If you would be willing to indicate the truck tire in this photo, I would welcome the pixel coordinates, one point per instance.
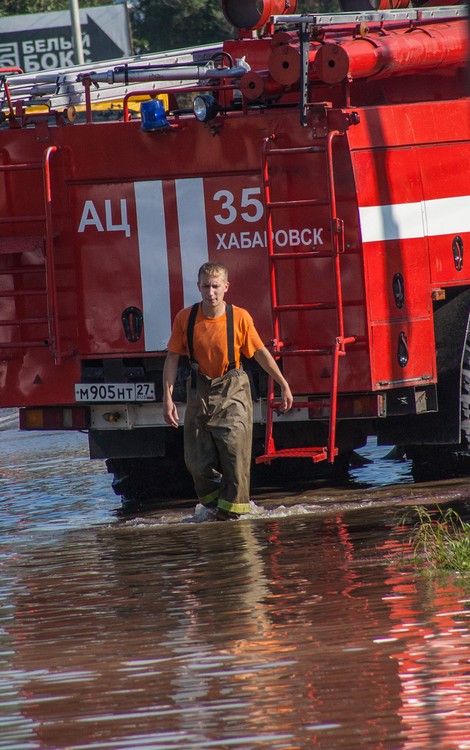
(149, 480)
(431, 463)
(144, 483)
(435, 462)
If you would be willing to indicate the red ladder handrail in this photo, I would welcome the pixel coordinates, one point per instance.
(50, 265)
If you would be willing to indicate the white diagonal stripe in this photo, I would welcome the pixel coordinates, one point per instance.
(411, 220)
(193, 233)
(153, 263)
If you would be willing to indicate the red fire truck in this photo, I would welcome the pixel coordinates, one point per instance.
(323, 158)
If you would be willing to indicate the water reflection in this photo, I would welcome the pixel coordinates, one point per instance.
(386, 466)
(278, 635)
(275, 632)
(434, 665)
(47, 480)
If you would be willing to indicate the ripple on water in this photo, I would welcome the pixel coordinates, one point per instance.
(296, 627)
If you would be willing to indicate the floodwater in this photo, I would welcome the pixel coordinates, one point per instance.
(303, 626)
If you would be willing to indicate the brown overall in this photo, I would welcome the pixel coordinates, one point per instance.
(218, 428)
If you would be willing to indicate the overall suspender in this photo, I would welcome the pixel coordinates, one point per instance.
(230, 338)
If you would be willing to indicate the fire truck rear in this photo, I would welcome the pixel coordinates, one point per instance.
(324, 159)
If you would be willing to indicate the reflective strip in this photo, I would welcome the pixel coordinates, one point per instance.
(401, 221)
(153, 263)
(234, 507)
(210, 499)
(193, 234)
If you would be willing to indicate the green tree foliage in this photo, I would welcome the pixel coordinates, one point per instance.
(317, 6)
(171, 24)
(15, 7)
(165, 24)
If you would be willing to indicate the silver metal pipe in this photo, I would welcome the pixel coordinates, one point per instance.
(76, 32)
(184, 73)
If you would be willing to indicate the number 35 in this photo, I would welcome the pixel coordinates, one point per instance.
(228, 211)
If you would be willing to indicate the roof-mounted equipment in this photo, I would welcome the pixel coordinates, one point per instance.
(253, 14)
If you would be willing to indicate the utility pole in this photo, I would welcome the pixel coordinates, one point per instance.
(76, 32)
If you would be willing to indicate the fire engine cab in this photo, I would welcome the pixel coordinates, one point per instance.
(323, 158)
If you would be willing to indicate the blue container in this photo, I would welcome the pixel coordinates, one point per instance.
(153, 117)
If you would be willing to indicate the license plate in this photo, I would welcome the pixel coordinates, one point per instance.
(121, 392)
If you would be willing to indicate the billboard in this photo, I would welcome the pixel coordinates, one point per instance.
(43, 41)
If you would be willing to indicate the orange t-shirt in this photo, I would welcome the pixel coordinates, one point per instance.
(210, 339)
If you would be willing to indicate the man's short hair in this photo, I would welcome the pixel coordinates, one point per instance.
(211, 269)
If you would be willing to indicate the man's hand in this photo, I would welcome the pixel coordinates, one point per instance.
(265, 359)
(286, 398)
(170, 412)
(170, 368)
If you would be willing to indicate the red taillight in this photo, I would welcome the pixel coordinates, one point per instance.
(350, 407)
(54, 418)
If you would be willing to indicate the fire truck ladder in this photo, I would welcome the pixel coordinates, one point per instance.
(11, 246)
(338, 349)
(65, 87)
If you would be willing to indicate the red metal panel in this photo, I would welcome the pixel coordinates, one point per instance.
(433, 178)
(446, 190)
(385, 178)
(385, 343)
(107, 262)
(385, 175)
(396, 263)
(34, 380)
(405, 158)
(383, 262)
(426, 123)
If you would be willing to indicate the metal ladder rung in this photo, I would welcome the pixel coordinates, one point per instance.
(277, 405)
(24, 322)
(20, 219)
(23, 293)
(305, 307)
(301, 255)
(349, 303)
(296, 150)
(18, 271)
(297, 203)
(23, 345)
(315, 453)
(303, 352)
(19, 167)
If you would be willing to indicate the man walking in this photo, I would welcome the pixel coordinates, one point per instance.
(219, 412)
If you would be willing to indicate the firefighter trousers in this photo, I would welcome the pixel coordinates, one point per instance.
(218, 429)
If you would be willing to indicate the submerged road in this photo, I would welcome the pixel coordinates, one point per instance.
(305, 625)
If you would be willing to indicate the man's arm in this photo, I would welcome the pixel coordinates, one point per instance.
(170, 368)
(268, 363)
